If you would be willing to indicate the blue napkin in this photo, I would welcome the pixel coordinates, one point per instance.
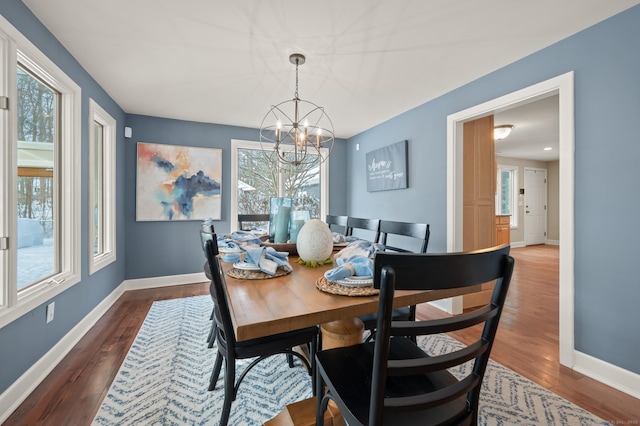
(359, 248)
(230, 257)
(229, 245)
(268, 259)
(246, 240)
(339, 238)
(355, 265)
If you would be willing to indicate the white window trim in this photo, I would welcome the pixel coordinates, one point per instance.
(237, 144)
(515, 170)
(19, 48)
(108, 123)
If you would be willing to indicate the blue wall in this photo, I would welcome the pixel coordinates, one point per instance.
(27, 339)
(607, 150)
(171, 248)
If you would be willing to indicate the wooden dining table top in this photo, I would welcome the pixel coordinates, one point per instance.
(268, 306)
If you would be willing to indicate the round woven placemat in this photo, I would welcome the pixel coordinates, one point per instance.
(334, 288)
(242, 274)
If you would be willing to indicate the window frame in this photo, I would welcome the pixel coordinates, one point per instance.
(98, 115)
(515, 171)
(237, 144)
(17, 49)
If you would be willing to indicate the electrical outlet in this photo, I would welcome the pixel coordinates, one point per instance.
(51, 307)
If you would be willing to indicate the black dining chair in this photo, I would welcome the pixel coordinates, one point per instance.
(364, 224)
(339, 221)
(417, 235)
(207, 233)
(244, 219)
(230, 350)
(392, 380)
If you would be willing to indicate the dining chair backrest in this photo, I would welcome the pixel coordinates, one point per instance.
(207, 233)
(339, 221)
(365, 224)
(251, 218)
(222, 317)
(419, 231)
(407, 271)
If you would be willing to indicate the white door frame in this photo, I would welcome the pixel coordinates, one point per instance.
(564, 87)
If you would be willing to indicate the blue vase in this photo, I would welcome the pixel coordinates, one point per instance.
(279, 218)
(298, 219)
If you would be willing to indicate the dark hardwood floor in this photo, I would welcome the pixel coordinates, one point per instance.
(527, 342)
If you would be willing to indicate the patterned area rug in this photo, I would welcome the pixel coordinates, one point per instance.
(164, 378)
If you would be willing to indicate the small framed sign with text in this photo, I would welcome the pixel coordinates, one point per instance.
(387, 167)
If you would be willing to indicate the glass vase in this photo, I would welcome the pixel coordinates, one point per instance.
(298, 219)
(279, 218)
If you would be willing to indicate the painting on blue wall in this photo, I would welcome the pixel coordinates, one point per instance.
(387, 167)
(177, 182)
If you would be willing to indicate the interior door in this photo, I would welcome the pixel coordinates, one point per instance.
(479, 196)
(535, 206)
(479, 185)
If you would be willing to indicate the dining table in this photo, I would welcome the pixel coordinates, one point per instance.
(262, 307)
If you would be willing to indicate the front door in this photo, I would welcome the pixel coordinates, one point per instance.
(535, 206)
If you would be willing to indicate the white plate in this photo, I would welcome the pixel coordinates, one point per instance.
(340, 244)
(356, 281)
(246, 266)
(229, 249)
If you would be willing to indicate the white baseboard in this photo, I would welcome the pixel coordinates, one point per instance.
(609, 374)
(11, 398)
(155, 282)
(516, 244)
(22, 388)
(553, 242)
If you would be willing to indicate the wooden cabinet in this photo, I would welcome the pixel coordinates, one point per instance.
(503, 230)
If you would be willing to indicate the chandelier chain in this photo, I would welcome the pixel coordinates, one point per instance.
(296, 93)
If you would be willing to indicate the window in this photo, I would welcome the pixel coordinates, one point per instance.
(102, 188)
(40, 169)
(507, 193)
(254, 180)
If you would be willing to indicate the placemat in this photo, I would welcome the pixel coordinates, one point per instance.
(334, 288)
(242, 274)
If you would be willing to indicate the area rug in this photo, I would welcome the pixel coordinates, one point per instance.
(164, 378)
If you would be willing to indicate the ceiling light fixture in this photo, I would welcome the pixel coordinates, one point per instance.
(297, 129)
(502, 131)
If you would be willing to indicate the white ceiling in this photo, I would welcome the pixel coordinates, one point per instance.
(536, 127)
(227, 62)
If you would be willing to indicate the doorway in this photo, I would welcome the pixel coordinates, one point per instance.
(563, 86)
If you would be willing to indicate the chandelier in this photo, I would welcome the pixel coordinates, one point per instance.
(297, 130)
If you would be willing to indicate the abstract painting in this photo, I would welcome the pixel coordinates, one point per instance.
(177, 182)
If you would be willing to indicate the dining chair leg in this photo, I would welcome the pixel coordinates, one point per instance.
(312, 354)
(216, 372)
(229, 389)
(290, 360)
(319, 391)
(212, 334)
